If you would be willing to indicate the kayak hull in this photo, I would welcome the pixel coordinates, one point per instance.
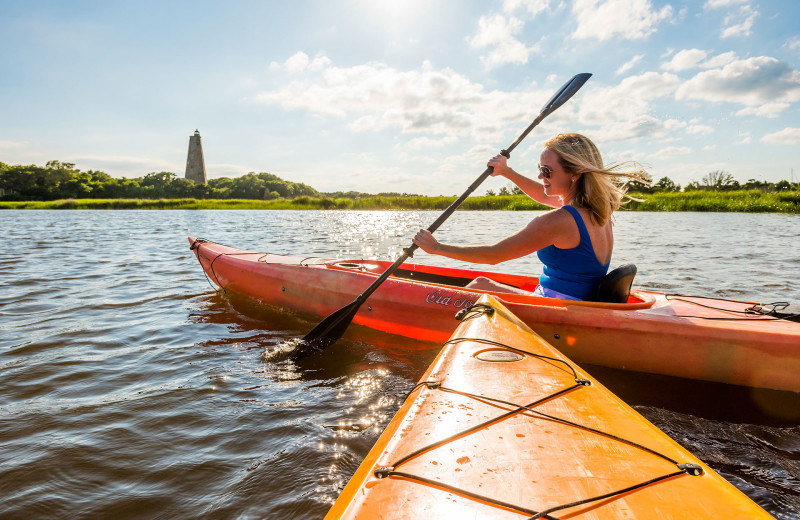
(462, 446)
(653, 333)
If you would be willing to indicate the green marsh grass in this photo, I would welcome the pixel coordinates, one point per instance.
(740, 201)
(750, 201)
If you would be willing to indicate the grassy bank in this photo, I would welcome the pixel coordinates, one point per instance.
(745, 201)
(750, 201)
(510, 202)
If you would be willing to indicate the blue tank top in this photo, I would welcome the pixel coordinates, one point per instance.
(576, 271)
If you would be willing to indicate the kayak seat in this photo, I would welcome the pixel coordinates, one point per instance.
(616, 286)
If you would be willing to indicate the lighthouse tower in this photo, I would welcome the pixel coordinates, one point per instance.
(195, 166)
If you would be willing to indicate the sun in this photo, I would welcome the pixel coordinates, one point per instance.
(394, 14)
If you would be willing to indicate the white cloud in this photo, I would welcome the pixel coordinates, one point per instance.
(297, 63)
(788, 135)
(419, 143)
(300, 62)
(697, 58)
(628, 65)
(685, 59)
(529, 7)
(714, 4)
(672, 151)
(771, 110)
(751, 82)
(319, 62)
(793, 43)
(628, 101)
(699, 129)
(497, 32)
(743, 28)
(635, 128)
(720, 60)
(427, 102)
(627, 19)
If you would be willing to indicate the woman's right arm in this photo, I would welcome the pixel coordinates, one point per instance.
(542, 231)
(530, 187)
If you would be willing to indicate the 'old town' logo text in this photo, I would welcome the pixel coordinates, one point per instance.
(455, 299)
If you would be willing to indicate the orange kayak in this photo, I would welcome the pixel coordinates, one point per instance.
(683, 336)
(503, 426)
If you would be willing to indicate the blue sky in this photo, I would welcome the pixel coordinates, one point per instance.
(409, 96)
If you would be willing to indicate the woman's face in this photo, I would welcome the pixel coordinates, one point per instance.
(560, 184)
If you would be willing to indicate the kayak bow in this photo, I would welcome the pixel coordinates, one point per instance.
(503, 426)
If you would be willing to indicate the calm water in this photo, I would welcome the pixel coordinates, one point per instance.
(129, 388)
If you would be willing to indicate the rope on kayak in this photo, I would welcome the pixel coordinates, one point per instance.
(769, 311)
(195, 246)
(391, 470)
(585, 382)
(386, 471)
(546, 512)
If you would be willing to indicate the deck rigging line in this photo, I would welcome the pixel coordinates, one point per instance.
(768, 311)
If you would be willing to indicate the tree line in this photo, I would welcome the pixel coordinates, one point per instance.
(718, 180)
(58, 180)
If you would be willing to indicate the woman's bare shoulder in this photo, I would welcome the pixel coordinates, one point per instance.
(558, 227)
(554, 222)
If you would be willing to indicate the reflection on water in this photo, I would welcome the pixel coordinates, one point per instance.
(131, 389)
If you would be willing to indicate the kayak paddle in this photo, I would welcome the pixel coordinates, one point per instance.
(333, 327)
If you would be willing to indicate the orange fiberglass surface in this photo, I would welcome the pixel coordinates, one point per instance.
(683, 336)
(503, 426)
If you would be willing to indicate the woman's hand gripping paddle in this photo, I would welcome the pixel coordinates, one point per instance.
(333, 327)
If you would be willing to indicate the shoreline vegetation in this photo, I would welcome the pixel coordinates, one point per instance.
(743, 201)
(60, 185)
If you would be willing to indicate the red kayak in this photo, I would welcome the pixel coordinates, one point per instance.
(735, 342)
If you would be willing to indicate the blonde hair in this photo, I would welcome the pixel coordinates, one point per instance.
(599, 189)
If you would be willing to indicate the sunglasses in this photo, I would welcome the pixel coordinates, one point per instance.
(545, 171)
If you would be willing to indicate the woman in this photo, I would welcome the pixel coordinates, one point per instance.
(575, 241)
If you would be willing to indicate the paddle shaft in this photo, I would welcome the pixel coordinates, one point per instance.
(409, 251)
(332, 327)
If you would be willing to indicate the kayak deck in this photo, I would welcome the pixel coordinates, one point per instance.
(502, 425)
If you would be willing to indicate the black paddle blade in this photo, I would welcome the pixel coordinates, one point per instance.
(566, 92)
(328, 331)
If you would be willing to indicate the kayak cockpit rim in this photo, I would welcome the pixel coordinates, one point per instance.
(449, 278)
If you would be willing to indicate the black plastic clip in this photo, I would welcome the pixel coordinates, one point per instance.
(691, 469)
(383, 471)
(583, 382)
(433, 385)
(477, 309)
